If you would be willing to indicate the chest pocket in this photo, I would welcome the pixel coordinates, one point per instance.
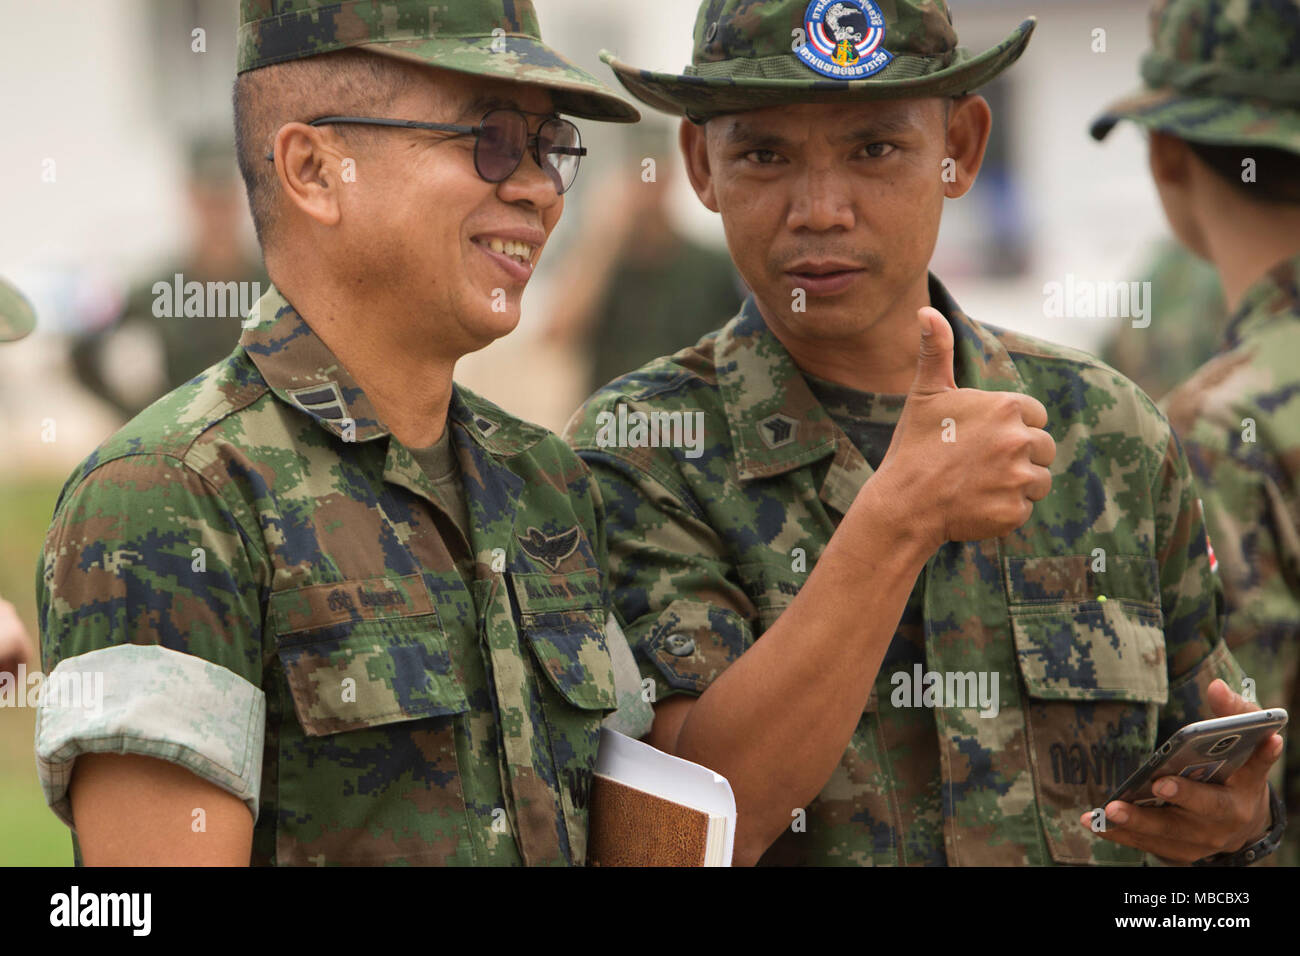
(364, 775)
(562, 620)
(562, 616)
(1090, 649)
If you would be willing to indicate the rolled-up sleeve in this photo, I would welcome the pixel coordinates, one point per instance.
(154, 702)
(151, 628)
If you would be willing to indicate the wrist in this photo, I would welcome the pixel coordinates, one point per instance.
(885, 515)
(1259, 848)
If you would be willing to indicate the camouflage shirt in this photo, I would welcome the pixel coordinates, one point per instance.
(252, 572)
(1097, 622)
(1239, 418)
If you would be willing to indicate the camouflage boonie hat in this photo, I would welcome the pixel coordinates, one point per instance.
(751, 54)
(17, 317)
(1220, 72)
(496, 38)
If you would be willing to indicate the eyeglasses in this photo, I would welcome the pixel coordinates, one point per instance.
(502, 139)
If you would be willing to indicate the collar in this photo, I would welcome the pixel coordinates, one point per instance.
(303, 373)
(776, 423)
(1272, 296)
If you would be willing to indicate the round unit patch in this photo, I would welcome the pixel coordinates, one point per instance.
(843, 39)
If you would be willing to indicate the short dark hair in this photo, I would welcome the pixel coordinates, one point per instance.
(1276, 173)
(345, 81)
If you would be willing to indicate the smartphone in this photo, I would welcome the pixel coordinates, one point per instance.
(1207, 751)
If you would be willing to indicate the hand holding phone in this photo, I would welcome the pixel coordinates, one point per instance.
(1203, 796)
(1207, 751)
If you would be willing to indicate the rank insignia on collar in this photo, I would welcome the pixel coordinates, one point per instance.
(843, 39)
(777, 430)
(322, 401)
(549, 549)
(485, 426)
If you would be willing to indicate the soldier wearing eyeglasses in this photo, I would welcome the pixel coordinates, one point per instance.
(345, 611)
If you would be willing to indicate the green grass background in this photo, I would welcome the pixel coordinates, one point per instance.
(30, 835)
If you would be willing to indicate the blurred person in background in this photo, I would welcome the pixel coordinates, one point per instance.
(17, 319)
(1188, 319)
(625, 278)
(112, 362)
(1221, 107)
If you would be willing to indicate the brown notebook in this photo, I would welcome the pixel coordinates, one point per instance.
(649, 808)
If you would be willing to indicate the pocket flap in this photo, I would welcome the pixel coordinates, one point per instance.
(1088, 626)
(369, 664)
(1091, 651)
(571, 648)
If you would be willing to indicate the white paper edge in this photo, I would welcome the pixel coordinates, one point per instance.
(642, 766)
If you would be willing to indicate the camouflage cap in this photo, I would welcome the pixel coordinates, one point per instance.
(1220, 72)
(750, 54)
(496, 38)
(17, 317)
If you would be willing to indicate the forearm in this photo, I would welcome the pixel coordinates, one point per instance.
(777, 721)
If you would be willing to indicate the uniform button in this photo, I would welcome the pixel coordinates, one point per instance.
(713, 32)
(679, 645)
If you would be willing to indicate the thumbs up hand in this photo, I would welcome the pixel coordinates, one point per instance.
(964, 464)
(934, 367)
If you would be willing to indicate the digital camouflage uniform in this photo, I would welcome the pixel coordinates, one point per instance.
(1239, 418)
(1098, 619)
(256, 567)
(1096, 666)
(496, 38)
(266, 588)
(1228, 73)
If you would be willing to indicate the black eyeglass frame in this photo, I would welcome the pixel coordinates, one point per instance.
(532, 144)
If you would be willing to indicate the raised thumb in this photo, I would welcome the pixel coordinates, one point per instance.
(934, 365)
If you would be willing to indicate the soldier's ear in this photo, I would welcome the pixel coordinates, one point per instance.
(694, 140)
(307, 167)
(1190, 211)
(969, 123)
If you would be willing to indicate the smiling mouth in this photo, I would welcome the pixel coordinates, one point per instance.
(520, 252)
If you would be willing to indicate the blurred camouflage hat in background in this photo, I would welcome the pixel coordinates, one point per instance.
(17, 317)
(496, 38)
(751, 54)
(1220, 72)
